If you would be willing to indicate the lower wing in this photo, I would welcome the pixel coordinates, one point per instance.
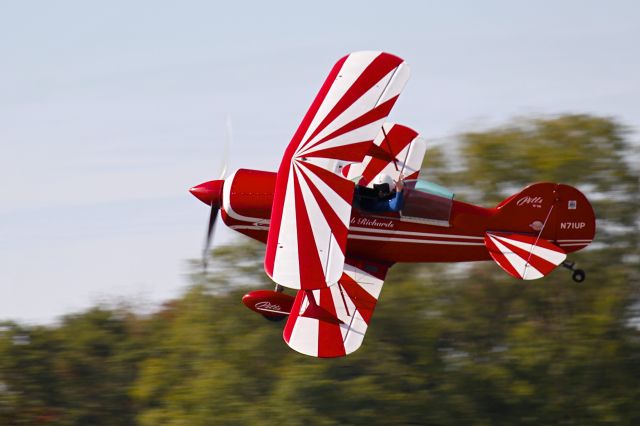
(332, 322)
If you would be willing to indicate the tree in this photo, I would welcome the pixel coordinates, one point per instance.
(76, 373)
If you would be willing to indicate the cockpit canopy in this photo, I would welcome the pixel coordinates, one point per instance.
(426, 200)
(419, 201)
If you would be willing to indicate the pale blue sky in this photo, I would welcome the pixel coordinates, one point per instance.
(110, 111)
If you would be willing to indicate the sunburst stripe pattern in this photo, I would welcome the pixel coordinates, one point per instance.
(312, 204)
(525, 257)
(333, 321)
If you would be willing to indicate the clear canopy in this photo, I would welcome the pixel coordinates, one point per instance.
(427, 201)
(419, 200)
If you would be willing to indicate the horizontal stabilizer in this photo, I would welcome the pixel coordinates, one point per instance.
(526, 257)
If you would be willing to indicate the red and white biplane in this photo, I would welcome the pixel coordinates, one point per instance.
(347, 203)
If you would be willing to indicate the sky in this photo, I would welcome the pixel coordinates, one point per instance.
(110, 111)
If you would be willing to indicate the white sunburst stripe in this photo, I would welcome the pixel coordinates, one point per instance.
(323, 163)
(520, 265)
(413, 157)
(400, 77)
(304, 336)
(351, 70)
(373, 288)
(303, 305)
(359, 134)
(555, 257)
(368, 282)
(417, 150)
(286, 268)
(335, 261)
(355, 334)
(365, 103)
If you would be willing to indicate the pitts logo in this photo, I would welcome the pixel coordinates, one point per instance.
(572, 225)
(268, 306)
(535, 202)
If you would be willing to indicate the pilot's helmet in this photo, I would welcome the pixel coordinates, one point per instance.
(383, 178)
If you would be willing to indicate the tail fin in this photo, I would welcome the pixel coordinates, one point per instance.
(531, 231)
(555, 212)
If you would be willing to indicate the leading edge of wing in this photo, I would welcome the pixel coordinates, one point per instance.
(311, 209)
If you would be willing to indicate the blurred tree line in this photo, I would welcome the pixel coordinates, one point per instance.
(447, 346)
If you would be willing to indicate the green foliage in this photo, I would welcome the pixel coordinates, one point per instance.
(573, 149)
(445, 347)
(76, 373)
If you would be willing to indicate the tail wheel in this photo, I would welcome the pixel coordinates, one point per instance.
(578, 275)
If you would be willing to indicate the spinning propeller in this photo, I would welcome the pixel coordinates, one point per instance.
(210, 193)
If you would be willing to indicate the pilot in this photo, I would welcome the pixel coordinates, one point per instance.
(388, 193)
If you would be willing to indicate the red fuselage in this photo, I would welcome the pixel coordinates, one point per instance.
(247, 196)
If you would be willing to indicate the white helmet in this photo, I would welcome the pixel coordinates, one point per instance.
(384, 178)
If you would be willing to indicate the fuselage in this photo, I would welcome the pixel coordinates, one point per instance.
(387, 237)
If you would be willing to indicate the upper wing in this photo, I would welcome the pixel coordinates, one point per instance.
(332, 322)
(397, 151)
(312, 203)
(525, 257)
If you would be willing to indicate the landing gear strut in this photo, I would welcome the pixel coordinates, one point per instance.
(578, 274)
